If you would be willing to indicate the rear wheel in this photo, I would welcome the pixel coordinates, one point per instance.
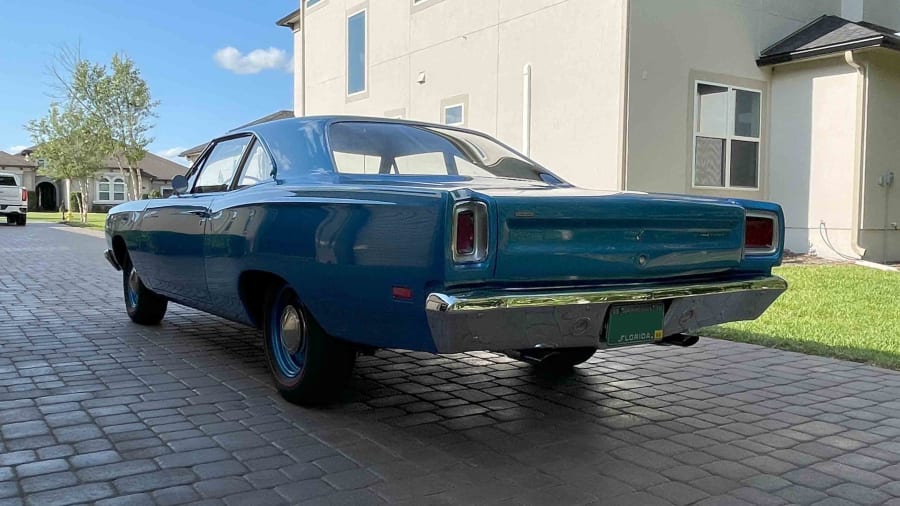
(10, 219)
(556, 360)
(308, 365)
(21, 220)
(143, 306)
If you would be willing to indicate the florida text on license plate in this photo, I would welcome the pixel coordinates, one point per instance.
(635, 324)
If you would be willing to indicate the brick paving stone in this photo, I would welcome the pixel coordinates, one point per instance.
(48, 482)
(717, 423)
(678, 493)
(153, 480)
(71, 495)
(95, 458)
(41, 467)
(858, 493)
(142, 499)
(180, 494)
(24, 429)
(221, 487)
(192, 457)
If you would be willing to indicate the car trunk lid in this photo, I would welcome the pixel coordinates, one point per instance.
(566, 234)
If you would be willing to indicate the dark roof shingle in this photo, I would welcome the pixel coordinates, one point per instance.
(825, 35)
(8, 160)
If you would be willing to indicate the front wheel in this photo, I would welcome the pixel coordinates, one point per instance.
(558, 359)
(143, 306)
(308, 365)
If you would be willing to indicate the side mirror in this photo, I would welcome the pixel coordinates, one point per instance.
(179, 184)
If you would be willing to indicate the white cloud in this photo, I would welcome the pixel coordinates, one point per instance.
(15, 149)
(172, 155)
(255, 61)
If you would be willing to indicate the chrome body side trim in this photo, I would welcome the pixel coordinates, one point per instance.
(510, 319)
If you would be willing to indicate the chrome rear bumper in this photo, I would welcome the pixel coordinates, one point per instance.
(520, 319)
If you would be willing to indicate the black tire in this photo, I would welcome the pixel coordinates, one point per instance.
(308, 366)
(21, 220)
(11, 219)
(556, 360)
(143, 306)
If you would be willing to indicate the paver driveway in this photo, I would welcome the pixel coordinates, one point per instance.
(95, 408)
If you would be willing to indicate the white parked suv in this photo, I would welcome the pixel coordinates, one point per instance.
(13, 199)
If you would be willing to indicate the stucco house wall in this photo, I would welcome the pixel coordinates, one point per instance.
(813, 153)
(671, 45)
(473, 52)
(881, 195)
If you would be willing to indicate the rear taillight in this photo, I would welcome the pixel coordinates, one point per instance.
(760, 233)
(469, 235)
(465, 233)
(24, 195)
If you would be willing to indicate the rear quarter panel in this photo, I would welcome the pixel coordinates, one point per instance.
(342, 248)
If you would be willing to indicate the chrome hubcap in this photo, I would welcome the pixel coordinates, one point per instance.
(134, 286)
(293, 330)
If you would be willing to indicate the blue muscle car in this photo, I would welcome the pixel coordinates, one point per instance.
(339, 235)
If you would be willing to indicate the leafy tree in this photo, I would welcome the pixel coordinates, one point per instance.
(119, 99)
(71, 144)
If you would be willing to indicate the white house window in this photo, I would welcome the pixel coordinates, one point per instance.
(111, 189)
(356, 53)
(726, 136)
(454, 115)
(310, 3)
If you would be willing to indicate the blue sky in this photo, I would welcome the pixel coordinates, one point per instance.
(198, 58)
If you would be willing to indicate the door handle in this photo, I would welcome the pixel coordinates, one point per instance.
(203, 213)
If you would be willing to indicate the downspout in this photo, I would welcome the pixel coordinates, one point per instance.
(623, 106)
(526, 109)
(302, 78)
(862, 94)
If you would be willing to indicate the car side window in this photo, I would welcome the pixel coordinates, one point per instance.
(257, 168)
(221, 165)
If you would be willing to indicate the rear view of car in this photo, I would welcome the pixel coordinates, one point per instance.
(13, 199)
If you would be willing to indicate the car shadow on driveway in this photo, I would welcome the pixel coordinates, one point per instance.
(719, 420)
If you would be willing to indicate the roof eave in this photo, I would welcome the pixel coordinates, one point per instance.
(290, 20)
(877, 41)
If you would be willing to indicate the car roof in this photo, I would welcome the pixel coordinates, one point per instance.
(321, 122)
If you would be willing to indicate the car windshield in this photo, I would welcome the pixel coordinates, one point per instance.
(406, 149)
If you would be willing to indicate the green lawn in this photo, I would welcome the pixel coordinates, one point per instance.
(95, 221)
(842, 311)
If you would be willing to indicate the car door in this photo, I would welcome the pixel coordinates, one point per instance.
(174, 227)
(235, 218)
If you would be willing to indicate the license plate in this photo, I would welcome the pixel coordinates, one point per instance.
(634, 324)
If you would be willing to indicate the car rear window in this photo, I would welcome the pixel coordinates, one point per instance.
(7, 181)
(395, 149)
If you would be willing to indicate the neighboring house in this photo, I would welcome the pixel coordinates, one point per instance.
(108, 188)
(796, 102)
(192, 153)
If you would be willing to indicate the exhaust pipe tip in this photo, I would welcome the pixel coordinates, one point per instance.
(683, 340)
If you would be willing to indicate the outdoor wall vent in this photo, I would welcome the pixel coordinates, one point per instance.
(421, 78)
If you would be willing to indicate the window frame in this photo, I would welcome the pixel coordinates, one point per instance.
(239, 175)
(729, 135)
(462, 114)
(198, 167)
(111, 193)
(364, 10)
